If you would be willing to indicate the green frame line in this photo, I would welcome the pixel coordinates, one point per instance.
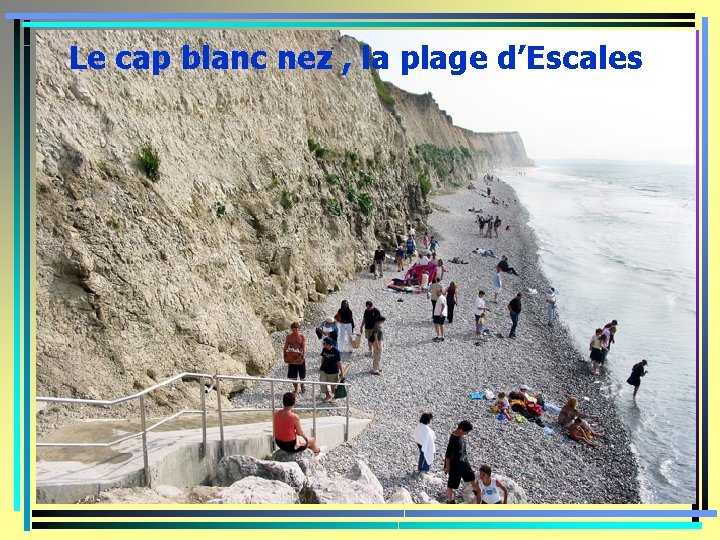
(354, 24)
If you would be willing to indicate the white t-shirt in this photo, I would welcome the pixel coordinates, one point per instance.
(479, 306)
(441, 306)
(423, 260)
(411, 232)
(497, 282)
(490, 494)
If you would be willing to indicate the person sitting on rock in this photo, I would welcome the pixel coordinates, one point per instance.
(287, 429)
(577, 433)
(490, 487)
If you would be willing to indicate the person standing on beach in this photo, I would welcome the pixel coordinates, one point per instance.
(480, 310)
(370, 317)
(433, 244)
(439, 315)
(410, 249)
(515, 307)
(497, 284)
(452, 298)
(489, 232)
(426, 240)
(436, 290)
(379, 259)
(294, 356)
(638, 371)
(400, 258)
(550, 300)
(425, 440)
(377, 339)
(411, 231)
(496, 225)
(457, 466)
(440, 270)
(346, 325)
(596, 350)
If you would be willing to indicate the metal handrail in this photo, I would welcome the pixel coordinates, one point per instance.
(200, 377)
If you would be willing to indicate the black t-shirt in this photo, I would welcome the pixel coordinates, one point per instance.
(456, 452)
(503, 265)
(498, 221)
(379, 255)
(515, 305)
(370, 317)
(330, 360)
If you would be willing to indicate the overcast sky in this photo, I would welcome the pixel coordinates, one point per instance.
(641, 114)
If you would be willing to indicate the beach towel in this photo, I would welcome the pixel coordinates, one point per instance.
(477, 395)
(425, 437)
(414, 275)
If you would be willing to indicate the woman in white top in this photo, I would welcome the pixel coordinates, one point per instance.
(425, 439)
(490, 487)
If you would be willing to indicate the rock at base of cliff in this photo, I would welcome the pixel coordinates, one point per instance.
(255, 490)
(360, 486)
(234, 468)
(306, 460)
(401, 496)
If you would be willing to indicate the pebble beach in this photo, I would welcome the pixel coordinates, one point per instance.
(421, 375)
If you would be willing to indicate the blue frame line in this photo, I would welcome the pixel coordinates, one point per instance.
(16, 266)
(705, 30)
(26, 278)
(62, 16)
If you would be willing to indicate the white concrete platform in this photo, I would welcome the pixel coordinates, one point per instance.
(175, 458)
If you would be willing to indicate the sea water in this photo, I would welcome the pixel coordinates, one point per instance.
(617, 241)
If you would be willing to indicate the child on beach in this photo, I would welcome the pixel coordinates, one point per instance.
(577, 433)
(433, 244)
(503, 406)
(426, 240)
(480, 325)
(400, 258)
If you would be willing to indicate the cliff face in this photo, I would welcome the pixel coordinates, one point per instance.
(273, 187)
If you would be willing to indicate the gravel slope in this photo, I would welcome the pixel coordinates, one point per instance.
(421, 375)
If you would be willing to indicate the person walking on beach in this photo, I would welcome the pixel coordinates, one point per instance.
(425, 440)
(400, 258)
(370, 317)
(294, 356)
(481, 224)
(504, 266)
(598, 344)
(550, 300)
(515, 307)
(346, 325)
(457, 466)
(609, 331)
(426, 240)
(411, 231)
(287, 428)
(497, 284)
(377, 339)
(331, 369)
(490, 487)
(379, 259)
(452, 298)
(433, 244)
(439, 315)
(440, 270)
(638, 371)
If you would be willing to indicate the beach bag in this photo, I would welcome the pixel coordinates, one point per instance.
(356, 341)
(534, 409)
(340, 391)
(318, 332)
(372, 268)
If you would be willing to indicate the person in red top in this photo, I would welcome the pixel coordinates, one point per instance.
(294, 356)
(287, 430)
